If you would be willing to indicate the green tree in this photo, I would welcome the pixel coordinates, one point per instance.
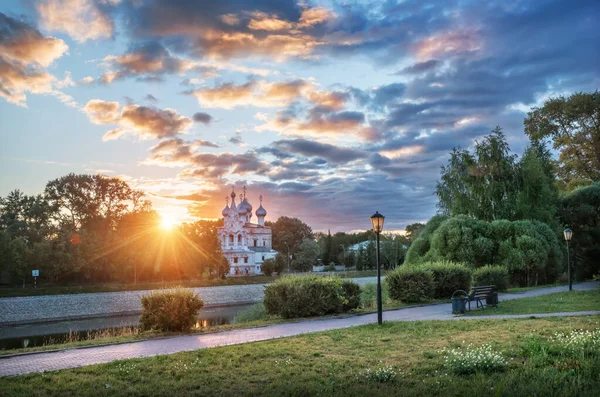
(413, 230)
(268, 266)
(580, 210)
(538, 196)
(482, 184)
(307, 255)
(573, 125)
(290, 231)
(281, 263)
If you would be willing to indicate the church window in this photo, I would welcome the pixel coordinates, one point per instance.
(245, 260)
(255, 242)
(264, 243)
(263, 257)
(235, 260)
(239, 238)
(231, 238)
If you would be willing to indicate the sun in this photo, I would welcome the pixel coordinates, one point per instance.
(167, 222)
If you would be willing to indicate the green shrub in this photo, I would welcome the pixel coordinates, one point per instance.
(410, 284)
(304, 296)
(368, 295)
(268, 266)
(491, 275)
(255, 312)
(351, 294)
(172, 309)
(448, 277)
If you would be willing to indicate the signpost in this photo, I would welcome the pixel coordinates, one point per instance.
(35, 274)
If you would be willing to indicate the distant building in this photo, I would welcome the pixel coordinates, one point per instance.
(245, 244)
(359, 246)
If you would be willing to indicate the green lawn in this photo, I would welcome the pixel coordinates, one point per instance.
(570, 301)
(336, 363)
(84, 289)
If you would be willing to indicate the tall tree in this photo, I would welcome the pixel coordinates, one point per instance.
(413, 230)
(573, 125)
(289, 232)
(306, 256)
(538, 196)
(482, 184)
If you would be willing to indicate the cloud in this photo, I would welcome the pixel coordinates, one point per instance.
(331, 153)
(141, 121)
(277, 30)
(420, 67)
(204, 143)
(147, 61)
(268, 94)
(201, 117)
(81, 19)
(24, 53)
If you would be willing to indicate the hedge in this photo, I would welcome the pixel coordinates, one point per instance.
(491, 275)
(310, 295)
(410, 284)
(448, 277)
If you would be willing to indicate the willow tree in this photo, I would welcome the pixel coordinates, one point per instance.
(482, 184)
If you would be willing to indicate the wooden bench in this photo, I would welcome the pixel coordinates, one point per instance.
(485, 295)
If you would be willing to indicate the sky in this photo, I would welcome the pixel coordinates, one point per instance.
(331, 110)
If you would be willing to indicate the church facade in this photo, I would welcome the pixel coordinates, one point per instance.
(245, 244)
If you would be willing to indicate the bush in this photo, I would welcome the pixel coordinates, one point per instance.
(172, 309)
(448, 277)
(368, 295)
(351, 294)
(255, 312)
(304, 296)
(410, 284)
(268, 266)
(491, 275)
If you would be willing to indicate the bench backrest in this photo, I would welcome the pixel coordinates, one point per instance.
(483, 290)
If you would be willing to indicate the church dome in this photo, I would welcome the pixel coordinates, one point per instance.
(225, 211)
(247, 205)
(261, 211)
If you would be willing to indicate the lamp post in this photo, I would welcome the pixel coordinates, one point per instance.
(288, 255)
(377, 223)
(568, 233)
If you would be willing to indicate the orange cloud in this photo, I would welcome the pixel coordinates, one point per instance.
(80, 19)
(24, 52)
(141, 121)
(448, 43)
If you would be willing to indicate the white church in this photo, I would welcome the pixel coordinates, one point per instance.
(245, 244)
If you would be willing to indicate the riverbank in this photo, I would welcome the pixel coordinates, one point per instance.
(40, 290)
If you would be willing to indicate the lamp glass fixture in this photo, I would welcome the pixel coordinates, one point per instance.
(377, 222)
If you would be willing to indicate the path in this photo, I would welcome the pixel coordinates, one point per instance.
(51, 361)
(35, 309)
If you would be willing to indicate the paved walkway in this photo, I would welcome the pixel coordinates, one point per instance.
(51, 361)
(35, 309)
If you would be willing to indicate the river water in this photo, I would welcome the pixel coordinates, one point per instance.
(29, 335)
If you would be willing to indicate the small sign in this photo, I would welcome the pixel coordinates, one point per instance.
(35, 273)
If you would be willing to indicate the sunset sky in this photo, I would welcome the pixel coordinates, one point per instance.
(329, 109)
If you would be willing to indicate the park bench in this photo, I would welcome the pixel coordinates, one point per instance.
(485, 295)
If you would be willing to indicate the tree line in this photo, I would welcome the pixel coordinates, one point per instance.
(93, 229)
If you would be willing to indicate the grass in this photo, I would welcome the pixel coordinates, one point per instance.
(570, 301)
(255, 316)
(6, 292)
(393, 359)
(517, 290)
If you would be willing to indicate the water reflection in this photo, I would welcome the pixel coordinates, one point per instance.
(32, 335)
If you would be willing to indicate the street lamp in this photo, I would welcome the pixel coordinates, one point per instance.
(377, 223)
(288, 255)
(568, 235)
